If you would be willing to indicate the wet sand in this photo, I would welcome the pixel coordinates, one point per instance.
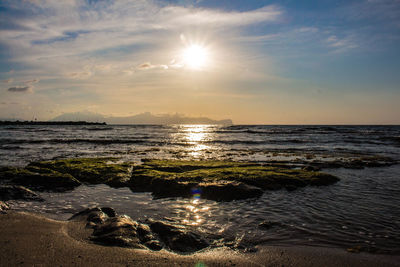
(28, 239)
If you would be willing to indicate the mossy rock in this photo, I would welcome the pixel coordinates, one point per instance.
(88, 170)
(219, 180)
(39, 179)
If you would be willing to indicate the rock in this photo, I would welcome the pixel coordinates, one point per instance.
(120, 231)
(311, 168)
(109, 211)
(228, 191)
(94, 216)
(9, 192)
(219, 180)
(90, 170)
(178, 239)
(39, 179)
(154, 245)
(124, 232)
(3, 207)
(162, 188)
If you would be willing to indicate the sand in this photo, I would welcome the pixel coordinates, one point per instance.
(28, 239)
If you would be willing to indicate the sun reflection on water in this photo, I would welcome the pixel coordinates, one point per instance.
(196, 213)
(196, 135)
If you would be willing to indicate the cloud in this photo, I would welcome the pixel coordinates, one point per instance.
(31, 81)
(10, 80)
(340, 45)
(80, 75)
(64, 29)
(21, 89)
(149, 66)
(185, 16)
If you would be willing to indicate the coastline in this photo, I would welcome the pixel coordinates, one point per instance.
(29, 239)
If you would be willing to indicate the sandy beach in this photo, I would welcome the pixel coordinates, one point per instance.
(29, 239)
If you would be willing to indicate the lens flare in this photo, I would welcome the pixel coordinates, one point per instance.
(196, 192)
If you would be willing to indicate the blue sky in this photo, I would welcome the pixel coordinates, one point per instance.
(267, 62)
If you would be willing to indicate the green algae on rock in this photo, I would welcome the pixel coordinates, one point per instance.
(219, 180)
(88, 170)
(39, 178)
(214, 180)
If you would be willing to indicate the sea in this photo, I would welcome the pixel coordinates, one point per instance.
(361, 210)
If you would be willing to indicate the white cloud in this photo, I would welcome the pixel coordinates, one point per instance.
(57, 38)
(340, 44)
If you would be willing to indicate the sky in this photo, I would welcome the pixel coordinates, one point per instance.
(255, 62)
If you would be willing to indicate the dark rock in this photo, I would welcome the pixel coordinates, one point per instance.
(219, 180)
(178, 239)
(8, 192)
(84, 214)
(125, 232)
(109, 211)
(153, 245)
(118, 231)
(228, 191)
(94, 215)
(117, 224)
(97, 217)
(311, 168)
(3, 207)
(39, 179)
(90, 170)
(162, 188)
(187, 242)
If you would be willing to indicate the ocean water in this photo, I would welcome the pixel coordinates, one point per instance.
(362, 209)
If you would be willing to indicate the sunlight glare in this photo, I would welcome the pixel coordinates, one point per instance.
(195, 56)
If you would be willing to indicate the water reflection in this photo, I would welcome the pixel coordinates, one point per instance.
(196, 213)
(196, 135)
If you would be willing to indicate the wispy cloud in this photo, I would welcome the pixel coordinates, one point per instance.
(149, 66)
(10, 80)
(20, 89)
(340, 44)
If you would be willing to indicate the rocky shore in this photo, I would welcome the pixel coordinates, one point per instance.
(113, 237)
(214, 180)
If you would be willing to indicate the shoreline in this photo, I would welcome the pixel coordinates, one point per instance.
(27, 239)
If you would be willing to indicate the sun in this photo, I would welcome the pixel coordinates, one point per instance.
(195, 56)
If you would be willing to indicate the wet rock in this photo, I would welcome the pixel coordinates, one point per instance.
(178, 239)
(39, 179)
(125, 232)
(121, 231)
(311, 168)
(170, 188)
(153, 245)
(90, 170)
(94, 216)
(219, 180)
(228, 191)
(109, 211)
(3, 207)
(8, 192)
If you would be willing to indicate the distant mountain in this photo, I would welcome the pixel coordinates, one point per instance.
(143, 118)
(80, 116)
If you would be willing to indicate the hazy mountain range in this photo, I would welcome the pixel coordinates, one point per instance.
(143, 118)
